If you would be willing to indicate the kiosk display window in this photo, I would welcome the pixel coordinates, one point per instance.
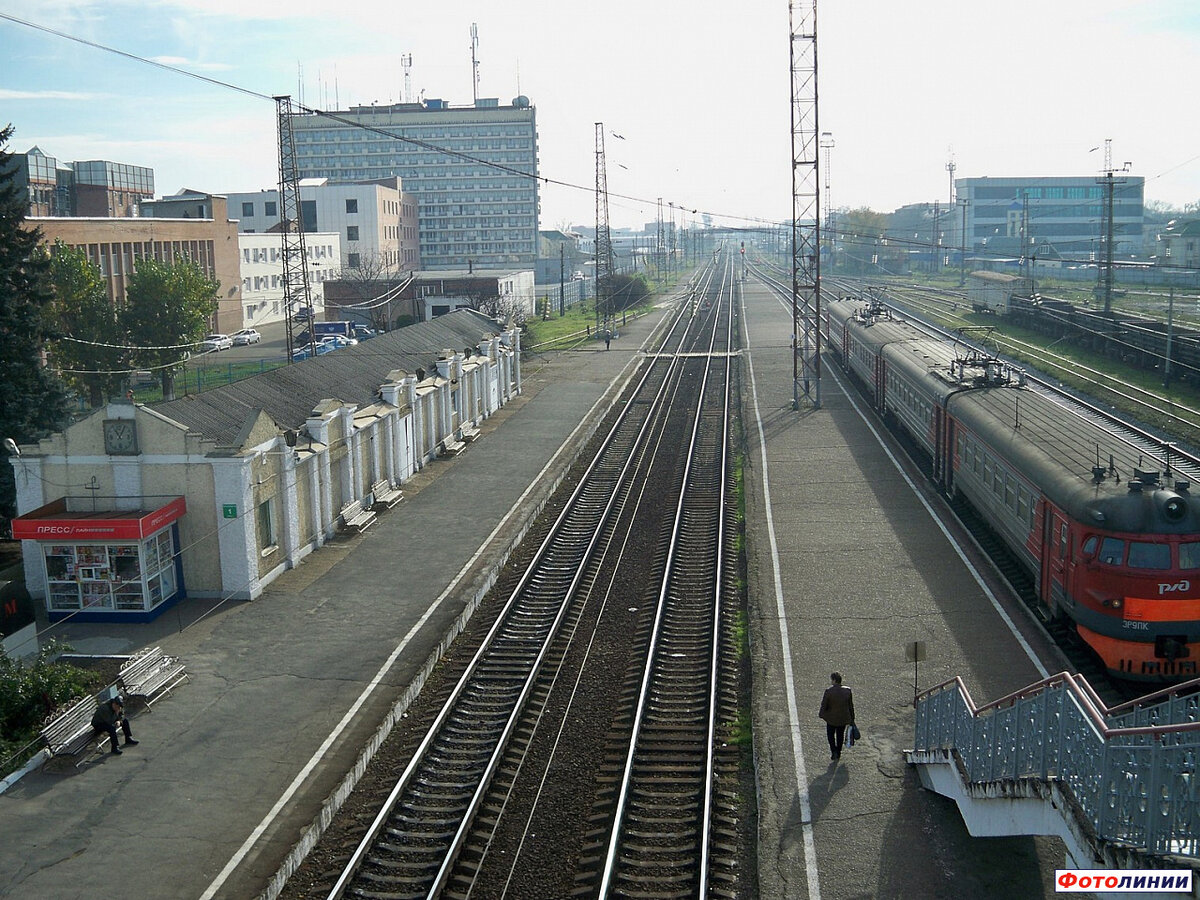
(135, 576)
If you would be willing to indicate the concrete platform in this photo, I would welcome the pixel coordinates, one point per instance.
(286, 690)
(846, 567)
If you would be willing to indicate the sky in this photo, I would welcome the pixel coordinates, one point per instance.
(699, 92)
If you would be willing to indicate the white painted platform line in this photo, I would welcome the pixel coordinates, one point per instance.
(806, 823)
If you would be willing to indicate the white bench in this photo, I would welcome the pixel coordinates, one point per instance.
(452, 447)
(150, 675)
(469, 432)
(356, 517)
(384, 496)
(70, 732)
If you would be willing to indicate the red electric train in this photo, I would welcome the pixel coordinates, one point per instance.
(1110, 537)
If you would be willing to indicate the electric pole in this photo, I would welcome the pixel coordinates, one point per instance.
(297, 300)
(826, 143)
(1109, 183)
(806, 205)
(604, 252)
(962, 250)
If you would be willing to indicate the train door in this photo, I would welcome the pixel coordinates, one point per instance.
(948, 453)
(1056, 551)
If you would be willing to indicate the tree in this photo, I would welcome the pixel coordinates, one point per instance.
(167, 308)
(32, 399)
(627, 291)
(372, 289)
(859, 236)
(85, 320)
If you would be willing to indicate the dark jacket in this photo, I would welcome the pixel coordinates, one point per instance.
(105, 715)
(837, 705)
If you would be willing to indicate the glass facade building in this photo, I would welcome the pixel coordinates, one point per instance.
(473, 171)
(1069, 214)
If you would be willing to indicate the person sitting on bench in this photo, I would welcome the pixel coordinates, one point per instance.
(105, 720)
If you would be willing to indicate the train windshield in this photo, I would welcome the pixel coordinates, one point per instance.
(1141, 554)
(1189, 555)
(1149, 556)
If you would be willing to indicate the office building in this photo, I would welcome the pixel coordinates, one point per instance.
(196, 229)
(1066, 217)
(376, 221)
(472, 169)
(93, 188)
(262, 273)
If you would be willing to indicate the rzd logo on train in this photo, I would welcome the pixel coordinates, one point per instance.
(1172, 588)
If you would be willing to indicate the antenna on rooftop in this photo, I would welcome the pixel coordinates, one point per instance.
(475, 61)
(406, 61)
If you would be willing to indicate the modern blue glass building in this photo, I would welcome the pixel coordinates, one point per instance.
(1017, 216)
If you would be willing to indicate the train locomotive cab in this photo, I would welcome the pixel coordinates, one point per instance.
(1136, 585)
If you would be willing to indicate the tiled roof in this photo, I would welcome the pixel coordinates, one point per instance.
(352, 374)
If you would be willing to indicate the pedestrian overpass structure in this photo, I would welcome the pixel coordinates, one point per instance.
(1120, 786)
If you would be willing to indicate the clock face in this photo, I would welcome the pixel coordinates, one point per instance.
(120, 436)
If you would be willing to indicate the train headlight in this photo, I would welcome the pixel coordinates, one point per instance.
(1175, 509)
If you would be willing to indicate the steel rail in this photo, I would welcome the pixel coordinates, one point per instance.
(653, 664)
(540, 557)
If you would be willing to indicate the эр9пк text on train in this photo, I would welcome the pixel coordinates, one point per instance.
(1109, 537)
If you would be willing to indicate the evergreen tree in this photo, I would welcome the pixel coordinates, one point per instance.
(85, 322)
(32, 399)
(167, 306)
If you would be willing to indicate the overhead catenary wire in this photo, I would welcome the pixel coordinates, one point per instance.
(216, 82)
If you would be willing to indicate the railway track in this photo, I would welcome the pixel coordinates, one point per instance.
(594, 704)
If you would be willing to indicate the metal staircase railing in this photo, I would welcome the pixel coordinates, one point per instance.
(1130, 772)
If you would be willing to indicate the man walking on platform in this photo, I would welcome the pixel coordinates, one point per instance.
(837, 709)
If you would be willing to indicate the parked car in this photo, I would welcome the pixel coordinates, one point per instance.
(340, 340)
(323, 346)
(214, 343)
(246, 337)
(362, 332)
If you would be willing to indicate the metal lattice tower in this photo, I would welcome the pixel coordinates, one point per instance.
(806, 206)
(660, 248)
(604, 250)
(297, 300)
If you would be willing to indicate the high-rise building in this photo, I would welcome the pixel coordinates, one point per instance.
(472, 169)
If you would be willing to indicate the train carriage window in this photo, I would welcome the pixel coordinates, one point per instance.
(1062, 541)
(1189, 555)
(1022, 503)
(1010, 495)
(1112, 551)
(1149, 556)
(987, 470)
(1089, 546)
(998, 483)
